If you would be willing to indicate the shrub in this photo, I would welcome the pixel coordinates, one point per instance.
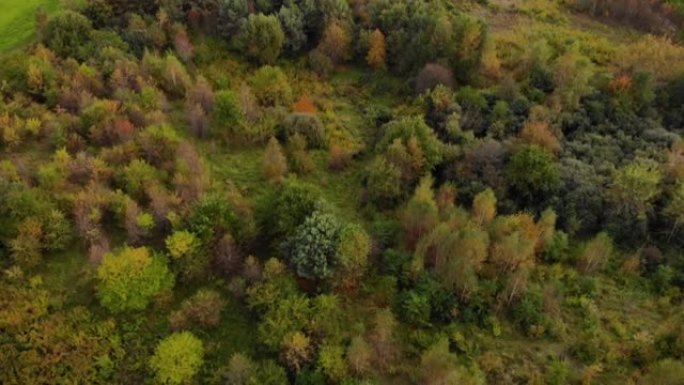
(308, 126)
(177, 358)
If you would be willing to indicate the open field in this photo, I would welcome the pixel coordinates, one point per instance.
(17, 21)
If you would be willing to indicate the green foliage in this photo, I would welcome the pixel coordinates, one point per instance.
(293, 203)
(177, 358)
(307, 125)
(383, 183)
(532, 172)
(130, 278)
(413, 127)
(68, 34)
(292, 21)
(271, 87)
(313, 248)
(331, 362)
(211, 217)
(262, 38)
(181, 244)
(227, 113)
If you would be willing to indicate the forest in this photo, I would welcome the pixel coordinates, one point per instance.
(343, 192)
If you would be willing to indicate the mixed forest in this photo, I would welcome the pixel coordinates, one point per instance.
(352, 192)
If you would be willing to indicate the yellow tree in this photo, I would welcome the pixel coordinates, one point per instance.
(377, 51)
(274, 163)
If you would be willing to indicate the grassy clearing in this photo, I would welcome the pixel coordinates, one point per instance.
(17, 21)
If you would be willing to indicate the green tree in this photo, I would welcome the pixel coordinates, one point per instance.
(532, 172)
(484, 207)
(292, 20)
(383, 183)
(633, 192)
(232, 16)
(227, 112)
(313, 248)
(68, 34)
(262, 38)
(130, 278)
(595, 254)
(413, 127)
(271, 87)
(177, 358)
(353, 250)
(572, 73)
(636, 186)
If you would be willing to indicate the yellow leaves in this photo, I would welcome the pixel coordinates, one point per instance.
(658, 55)
(377, 51)
(539, 133)
(130, 261)
(297, 350)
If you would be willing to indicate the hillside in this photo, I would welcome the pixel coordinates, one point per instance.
(342, 192)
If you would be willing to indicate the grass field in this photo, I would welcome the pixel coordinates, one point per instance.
(17, 21)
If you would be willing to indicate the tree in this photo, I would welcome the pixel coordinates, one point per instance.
(271, 87)
(438, 365)
(539, 133)
(177, 358)
(484, 207)
(232, 15)
(353, 250)
(240, 370)
(572, 73)
(595, 254)
(413, 127)
(421, 213)
(433, 75)
(383, 183)
(377, 50)
(202, 310)
(26, 247)
(335, 43)
(359, 356)
(130, 278)
(331, 362)
(532, 172)
(292, 20)
(68, 34)
(296, 350)
(637, 186)
(313, 248)
(226, 110)
(674, 210)
(262, 37)
(274, 163)
(455, 255)
(632, 194)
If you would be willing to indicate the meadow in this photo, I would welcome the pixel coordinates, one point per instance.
(17, 21)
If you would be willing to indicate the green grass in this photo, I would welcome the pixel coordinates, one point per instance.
(17, 21)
